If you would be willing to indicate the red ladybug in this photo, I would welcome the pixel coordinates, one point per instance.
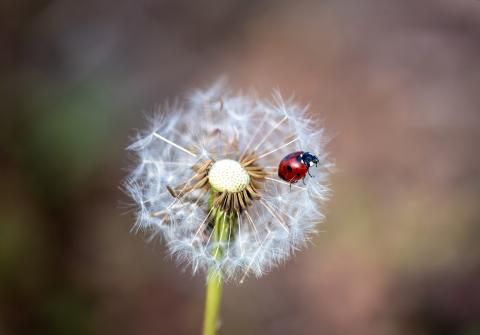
(296, 165)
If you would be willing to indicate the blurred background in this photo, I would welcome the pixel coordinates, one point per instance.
(397, 84)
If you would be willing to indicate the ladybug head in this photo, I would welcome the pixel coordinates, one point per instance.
(309, 159)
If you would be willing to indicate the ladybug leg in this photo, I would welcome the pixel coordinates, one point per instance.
(310, 174)
(303, 181)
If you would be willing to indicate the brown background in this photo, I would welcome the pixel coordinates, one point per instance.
(397, 84)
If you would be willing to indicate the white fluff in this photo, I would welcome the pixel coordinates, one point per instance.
(215, 124)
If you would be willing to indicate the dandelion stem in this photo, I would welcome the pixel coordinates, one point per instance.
(212, 303)
(223, 223)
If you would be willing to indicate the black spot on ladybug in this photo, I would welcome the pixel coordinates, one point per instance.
(289, 168)
(298, 174)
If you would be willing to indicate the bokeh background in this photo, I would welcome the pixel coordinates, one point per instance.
(397, 84)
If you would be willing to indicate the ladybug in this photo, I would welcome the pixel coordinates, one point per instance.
(295, 166)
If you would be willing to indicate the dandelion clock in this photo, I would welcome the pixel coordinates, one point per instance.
(207, 180)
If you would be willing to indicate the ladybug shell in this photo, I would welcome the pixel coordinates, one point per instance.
(291, 169)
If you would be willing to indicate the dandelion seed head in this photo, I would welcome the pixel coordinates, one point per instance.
(228, 175)
(231, 144)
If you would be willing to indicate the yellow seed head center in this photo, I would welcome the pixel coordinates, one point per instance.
(228, 175)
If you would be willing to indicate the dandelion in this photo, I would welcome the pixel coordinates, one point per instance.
(207, 183)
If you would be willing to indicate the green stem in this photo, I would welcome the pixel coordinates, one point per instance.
(212, 303)
(221, 228)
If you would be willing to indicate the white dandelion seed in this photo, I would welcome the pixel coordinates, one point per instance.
(216, 158)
